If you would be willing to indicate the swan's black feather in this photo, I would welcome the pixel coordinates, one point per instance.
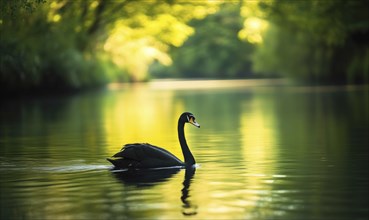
(144, 155)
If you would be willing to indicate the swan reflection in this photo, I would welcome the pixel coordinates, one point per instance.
(150, 177)
(188, 208)
(144, 177)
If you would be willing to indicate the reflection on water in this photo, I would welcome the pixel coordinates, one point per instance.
(266, 151)
(146, 177)
(188, 207)
(151, 177)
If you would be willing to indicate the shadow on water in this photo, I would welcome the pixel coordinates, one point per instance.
(148, 178)
(144, 178)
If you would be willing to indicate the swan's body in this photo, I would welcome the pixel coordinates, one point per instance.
(143, 155)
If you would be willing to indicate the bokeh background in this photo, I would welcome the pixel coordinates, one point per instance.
(66, 45)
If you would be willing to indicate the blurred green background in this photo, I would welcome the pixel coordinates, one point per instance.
(60, 45)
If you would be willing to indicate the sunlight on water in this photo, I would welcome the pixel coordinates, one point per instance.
(148, 117)
(264, 151)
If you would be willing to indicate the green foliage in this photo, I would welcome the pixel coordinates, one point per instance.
(37, 52)
(318, 41)
(67, 44)
(291, 54)
(214, 51)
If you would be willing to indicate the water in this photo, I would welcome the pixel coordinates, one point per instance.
(264, 151)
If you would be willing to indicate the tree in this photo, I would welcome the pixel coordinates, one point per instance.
(214, 51)
(320, 41)
(67, 44)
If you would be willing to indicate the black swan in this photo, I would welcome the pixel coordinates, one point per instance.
(143, 155)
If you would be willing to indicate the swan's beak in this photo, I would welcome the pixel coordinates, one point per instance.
(192, 121)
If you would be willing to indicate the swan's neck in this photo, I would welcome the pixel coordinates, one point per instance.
(188, 158)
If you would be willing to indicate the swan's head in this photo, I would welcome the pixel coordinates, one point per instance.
(188, 117)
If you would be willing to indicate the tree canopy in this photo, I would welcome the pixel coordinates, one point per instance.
(319, 41)
(70, 44)
(214, 50)
(67, 44)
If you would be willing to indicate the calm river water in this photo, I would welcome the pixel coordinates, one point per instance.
(264, 151)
